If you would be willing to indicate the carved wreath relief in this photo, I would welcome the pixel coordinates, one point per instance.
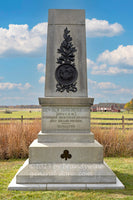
(66, 74)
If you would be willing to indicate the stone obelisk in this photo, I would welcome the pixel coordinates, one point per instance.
(65, 156)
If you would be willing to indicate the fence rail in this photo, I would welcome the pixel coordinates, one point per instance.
(113, 118)
(123, 122)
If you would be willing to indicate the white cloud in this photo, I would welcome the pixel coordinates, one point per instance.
(118, 61)
(91, 64)
(40, 29)
(118, 70)
(106, 69)
(101, 28)
(102, 85)
(92, 83)
(40, 67)
(107, 85)
(12, 98)
(111, 71)
(121, 91)
(10, 86)
(96, 68)
(98, 89)
(109, 92)
(121, 55)
(19, 40)
(42, 79)
(26, 86)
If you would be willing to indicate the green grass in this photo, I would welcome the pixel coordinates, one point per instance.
(18, 114)
(123, 167)
(36, 113)
(112, 114)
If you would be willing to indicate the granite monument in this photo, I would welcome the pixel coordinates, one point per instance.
(65, 156)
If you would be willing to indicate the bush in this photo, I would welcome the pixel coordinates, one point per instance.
(8, 112)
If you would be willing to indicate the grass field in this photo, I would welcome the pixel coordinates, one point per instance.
(112, 114)
(123, 168)
(18, 114)
(37, 113)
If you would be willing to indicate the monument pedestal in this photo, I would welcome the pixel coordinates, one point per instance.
(65, 158)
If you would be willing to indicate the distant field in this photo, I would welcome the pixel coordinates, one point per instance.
(17, 114)
(113, 123)
(112, 114)
(36, 113)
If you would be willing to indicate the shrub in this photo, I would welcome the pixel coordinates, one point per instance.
(8, 112)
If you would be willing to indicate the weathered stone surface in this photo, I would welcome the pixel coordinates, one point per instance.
(51, 152)
(68, 187)
(66, 173)
(58, 16)
(66, 137)
(74, 20)
(68, 119)
(63, 101)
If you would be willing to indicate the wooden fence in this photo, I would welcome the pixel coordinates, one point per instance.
(122, 124)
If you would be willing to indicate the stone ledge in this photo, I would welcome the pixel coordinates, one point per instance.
(95, 144)
(51, 152)
(62, 101)
(61, 186)
(66, 187)
(65, 137)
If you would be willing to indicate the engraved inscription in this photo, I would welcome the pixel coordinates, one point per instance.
(64, 118)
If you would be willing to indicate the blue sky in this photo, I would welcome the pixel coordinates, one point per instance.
(109, 39)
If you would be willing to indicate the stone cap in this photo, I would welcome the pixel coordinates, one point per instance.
(66, 16)
(61, 101)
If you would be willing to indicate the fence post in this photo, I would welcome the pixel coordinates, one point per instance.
(123, 123)
(21, 119)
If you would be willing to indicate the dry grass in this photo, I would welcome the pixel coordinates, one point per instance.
(16, 138)
(115, 141)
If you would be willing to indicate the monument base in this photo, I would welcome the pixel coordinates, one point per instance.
(65, 156)
(64, 177)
